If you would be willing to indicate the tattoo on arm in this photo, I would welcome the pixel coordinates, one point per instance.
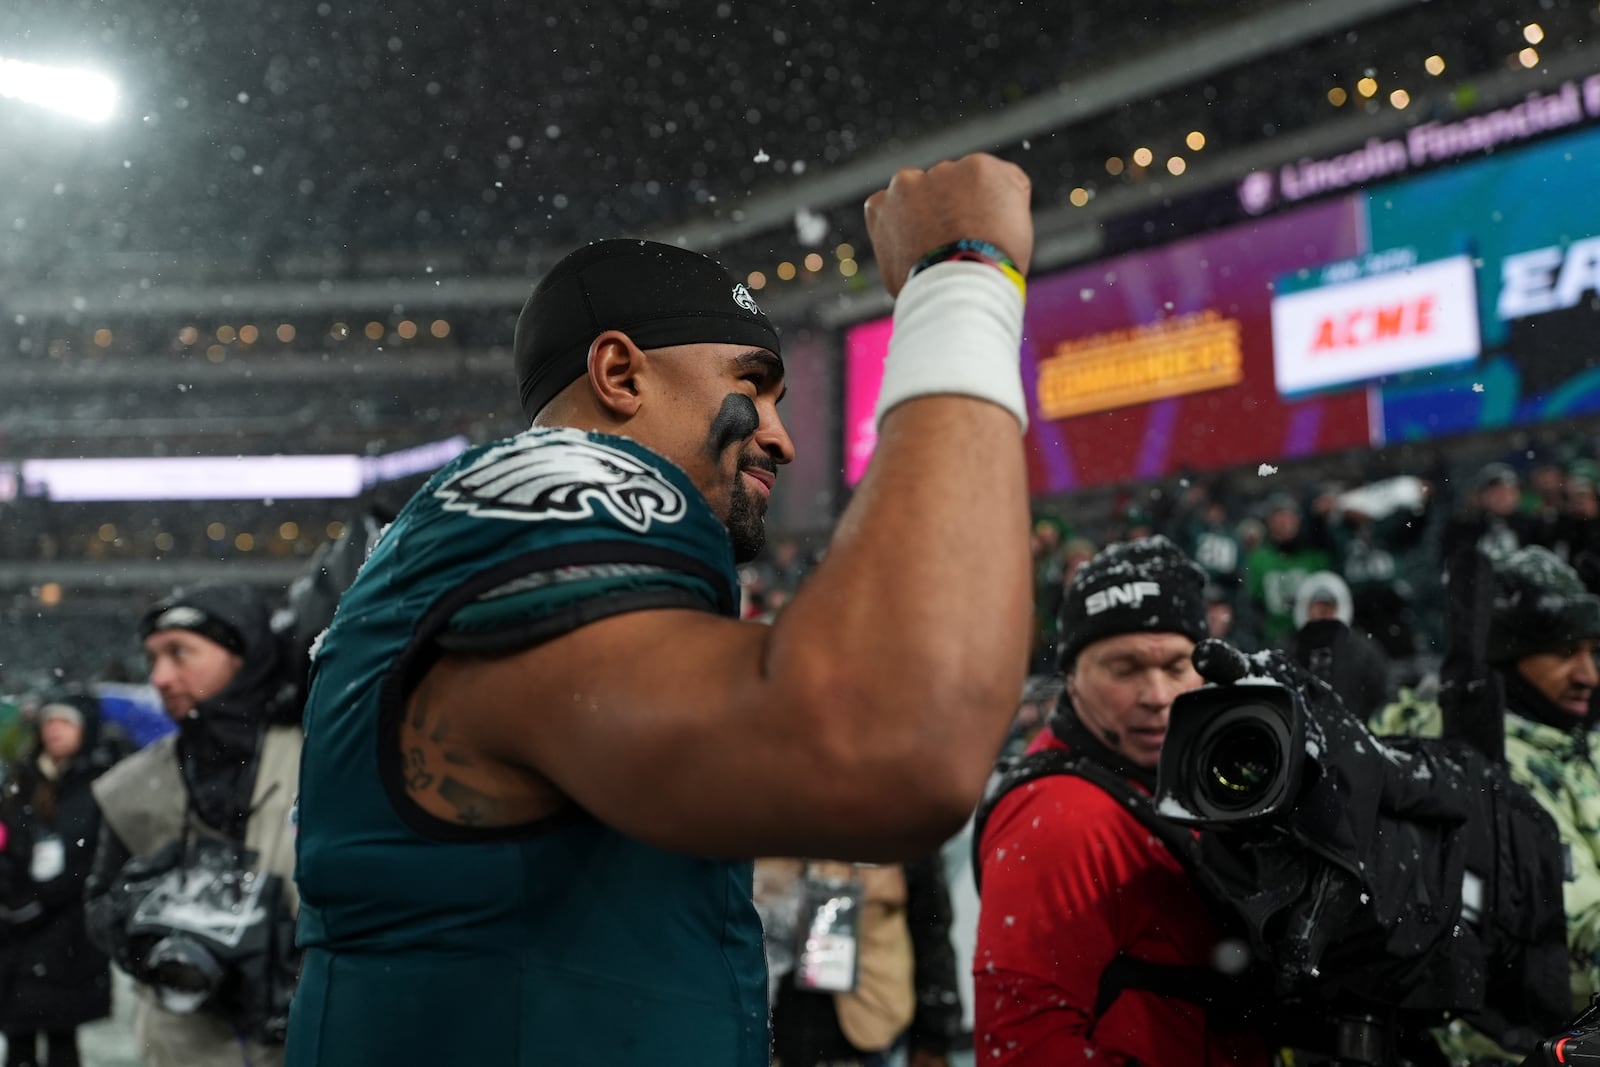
(428, 741)
(473, 807)
(418, 777)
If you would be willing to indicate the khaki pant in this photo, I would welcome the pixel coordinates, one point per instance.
(168, 1040)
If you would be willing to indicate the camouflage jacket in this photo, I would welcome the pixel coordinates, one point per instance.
(1559, 769)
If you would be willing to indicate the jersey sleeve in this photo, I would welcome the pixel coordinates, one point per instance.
(549, 602)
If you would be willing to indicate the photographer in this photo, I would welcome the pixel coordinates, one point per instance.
(191, 891)
(1543, 633)
(1081, 904)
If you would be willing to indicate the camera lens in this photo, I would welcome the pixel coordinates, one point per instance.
(1238, 764)
(185, 974)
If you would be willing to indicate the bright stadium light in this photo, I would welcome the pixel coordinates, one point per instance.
(83, 94)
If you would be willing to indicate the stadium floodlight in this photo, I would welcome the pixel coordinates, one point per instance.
(84, 94)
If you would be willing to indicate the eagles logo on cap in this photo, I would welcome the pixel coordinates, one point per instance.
(182, 617)
(742, 297)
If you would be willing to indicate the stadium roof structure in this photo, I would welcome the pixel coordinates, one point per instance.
(317, 156)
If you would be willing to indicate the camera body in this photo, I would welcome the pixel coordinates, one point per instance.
(213, 934)
(1578, 1046)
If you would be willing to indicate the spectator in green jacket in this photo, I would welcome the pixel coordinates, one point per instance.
(1274, 570)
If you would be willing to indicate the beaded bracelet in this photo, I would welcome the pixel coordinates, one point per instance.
(973, 250)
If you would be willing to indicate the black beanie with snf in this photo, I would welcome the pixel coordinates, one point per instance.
(1141, 586)
(659, 295)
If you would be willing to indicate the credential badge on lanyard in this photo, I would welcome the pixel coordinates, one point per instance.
(49, 859)
(828, 960)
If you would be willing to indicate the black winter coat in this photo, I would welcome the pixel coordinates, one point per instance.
(1352, 664)
(51, 976)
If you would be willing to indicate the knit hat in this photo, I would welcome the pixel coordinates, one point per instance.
(659, 295)
(1495, 474)
(1280, 502)
(197, 613)
(1540, 604)
(1323, 587)
(65, 712)
(1141, 586)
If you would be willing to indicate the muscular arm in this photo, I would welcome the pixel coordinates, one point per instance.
(861, 725)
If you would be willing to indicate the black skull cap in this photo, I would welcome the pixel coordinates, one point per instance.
(658, 294)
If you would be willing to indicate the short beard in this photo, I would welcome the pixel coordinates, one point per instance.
(747, 524)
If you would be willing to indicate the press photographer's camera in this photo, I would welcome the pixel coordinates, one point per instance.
(209, 933)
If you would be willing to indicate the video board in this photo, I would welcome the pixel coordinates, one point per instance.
(1460, 299)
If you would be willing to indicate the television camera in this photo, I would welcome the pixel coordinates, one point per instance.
(1383, 887)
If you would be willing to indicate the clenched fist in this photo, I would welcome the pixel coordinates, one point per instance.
(977, 196)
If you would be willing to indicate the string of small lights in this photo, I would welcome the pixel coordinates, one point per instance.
(1369, 88)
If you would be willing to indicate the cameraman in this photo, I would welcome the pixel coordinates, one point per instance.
(1543, 635)
(1080, 901)
(197, 833)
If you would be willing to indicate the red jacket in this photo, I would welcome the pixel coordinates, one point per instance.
(1070, 881)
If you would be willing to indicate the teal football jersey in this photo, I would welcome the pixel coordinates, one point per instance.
(560, 943)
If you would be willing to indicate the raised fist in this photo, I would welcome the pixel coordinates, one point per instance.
(977, 196)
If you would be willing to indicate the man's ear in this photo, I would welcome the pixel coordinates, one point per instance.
(615, 367)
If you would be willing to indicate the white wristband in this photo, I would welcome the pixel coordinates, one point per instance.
(957, 330)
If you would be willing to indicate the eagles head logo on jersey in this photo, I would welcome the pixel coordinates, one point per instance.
(563, 476)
